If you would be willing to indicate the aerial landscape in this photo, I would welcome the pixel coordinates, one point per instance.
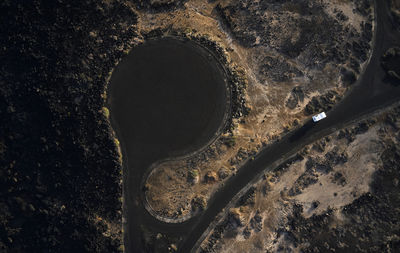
(200, 126)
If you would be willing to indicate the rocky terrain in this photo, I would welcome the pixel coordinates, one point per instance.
(60, 170)
(297, 59)
(338, 194)
(158, 5)
(391, 64)
(395, 10)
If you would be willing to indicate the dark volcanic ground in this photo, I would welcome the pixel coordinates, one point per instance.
(59, 173)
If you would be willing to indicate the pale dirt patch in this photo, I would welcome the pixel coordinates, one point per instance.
(363, 161)
(347, 7)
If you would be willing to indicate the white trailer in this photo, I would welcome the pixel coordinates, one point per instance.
(319, 116)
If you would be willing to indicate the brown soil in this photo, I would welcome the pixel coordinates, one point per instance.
(323, 200)
(284, 86)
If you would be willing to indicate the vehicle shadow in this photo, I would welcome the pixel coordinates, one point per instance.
(299, 133)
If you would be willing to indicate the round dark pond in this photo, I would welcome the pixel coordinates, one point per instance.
(167, 98)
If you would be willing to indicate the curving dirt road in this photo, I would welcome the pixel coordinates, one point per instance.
(368, 94)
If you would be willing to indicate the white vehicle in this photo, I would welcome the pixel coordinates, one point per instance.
(319, 116)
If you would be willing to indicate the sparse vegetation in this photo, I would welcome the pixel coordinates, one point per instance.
(298, 198)
(229, 141)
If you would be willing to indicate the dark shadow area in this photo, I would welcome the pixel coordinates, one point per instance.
(166, 99)
(299, 133)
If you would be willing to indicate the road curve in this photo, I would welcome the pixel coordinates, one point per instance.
(367, 95)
